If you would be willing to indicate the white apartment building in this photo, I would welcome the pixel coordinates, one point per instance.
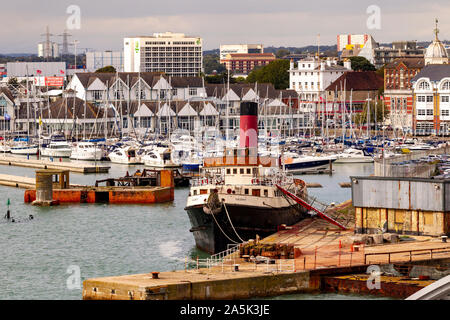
(175, 54)
(226, 49)
(48, 51)
(312, 76)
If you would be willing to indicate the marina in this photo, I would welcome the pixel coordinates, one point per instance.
(219, 176)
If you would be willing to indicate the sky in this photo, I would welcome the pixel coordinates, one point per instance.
(104, 24)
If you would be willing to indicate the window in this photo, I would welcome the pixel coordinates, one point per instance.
(444, 99)
(241, 171)
(420, 112)
(424, 85)
(266, 193)
(228, 171)
(234, 171)
(445, 113)
(249, 171)
(192, 91)
(97, 94)
(429, 98)
(446, 85)
(429, 112)
(245, 191)
(420, 98)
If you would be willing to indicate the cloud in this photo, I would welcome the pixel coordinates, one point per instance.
(280, 23)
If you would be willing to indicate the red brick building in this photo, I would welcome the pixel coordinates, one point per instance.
(244, 63)
(398, 91)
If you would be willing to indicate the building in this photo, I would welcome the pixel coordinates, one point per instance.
(398, 91)
(172, 53)
(415, 206)
(2, 70)
(7, 107)
(436, 52)
(35, 69)
(351, 41)
(239, 48)
(241, 64)
(98, 59)
(431, 100)
(50, 50)
(359, 87)
(312, 76)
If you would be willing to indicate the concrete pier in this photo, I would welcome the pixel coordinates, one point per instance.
(54, 165)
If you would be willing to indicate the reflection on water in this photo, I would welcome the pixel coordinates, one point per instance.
(106, 240)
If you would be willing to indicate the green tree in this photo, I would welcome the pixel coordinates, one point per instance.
(13, 82)
(361, 64)
(211, 63)
(276, 72)
(107, 69)
(281, 53)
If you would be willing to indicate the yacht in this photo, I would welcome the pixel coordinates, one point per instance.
(125, 155)
(159, 157)
(5, 148)
(23, 146)
(299, 163)
(57, 149)
(353, 156)
(86, 151)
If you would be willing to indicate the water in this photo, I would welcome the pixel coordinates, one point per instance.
(39, 258)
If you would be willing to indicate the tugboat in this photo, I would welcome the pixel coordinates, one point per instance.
(236, 197)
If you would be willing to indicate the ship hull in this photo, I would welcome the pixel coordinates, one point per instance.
(248, 221)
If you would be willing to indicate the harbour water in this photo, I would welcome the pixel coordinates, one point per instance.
(40, 259)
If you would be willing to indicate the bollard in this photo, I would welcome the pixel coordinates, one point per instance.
(28, 156)
(60, 159)
(304, 263)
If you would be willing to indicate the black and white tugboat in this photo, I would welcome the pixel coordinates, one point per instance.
(236, 197)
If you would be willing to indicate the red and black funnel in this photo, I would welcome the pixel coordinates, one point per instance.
(249, 125)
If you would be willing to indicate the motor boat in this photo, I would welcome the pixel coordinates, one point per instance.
(24, 147)
(86, 151)
(299, 163)
(159, 157)
(352, 155)
(125, 155)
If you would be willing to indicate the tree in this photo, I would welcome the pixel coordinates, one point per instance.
(281, 53)
(211, 63)
(276, 72)
(107, 69)
(361, 64)
(13, 82)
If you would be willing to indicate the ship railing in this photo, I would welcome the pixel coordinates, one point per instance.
(280, 265)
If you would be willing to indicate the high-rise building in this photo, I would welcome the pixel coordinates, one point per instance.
(175, 54)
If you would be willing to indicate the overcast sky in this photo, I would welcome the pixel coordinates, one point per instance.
(270, 22)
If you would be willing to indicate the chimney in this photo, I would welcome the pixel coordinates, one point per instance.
(291, 64)
(348, 64)
(249, 126)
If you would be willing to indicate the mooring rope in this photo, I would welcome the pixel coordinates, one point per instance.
(232, 223)
(222, 230)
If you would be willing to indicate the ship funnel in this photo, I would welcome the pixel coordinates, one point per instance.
(249, 126)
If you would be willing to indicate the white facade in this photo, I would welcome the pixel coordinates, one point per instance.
(239, 48)
(51, 52)
(99, 59)
(355, 40)
(171, 53)
(313, 76)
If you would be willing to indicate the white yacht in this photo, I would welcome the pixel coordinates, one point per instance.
(295, 163)
(58, 149)
(125, 155)
(23, 147)
(353, 156)
(159, 157)
(86, 151)
(5, 148)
